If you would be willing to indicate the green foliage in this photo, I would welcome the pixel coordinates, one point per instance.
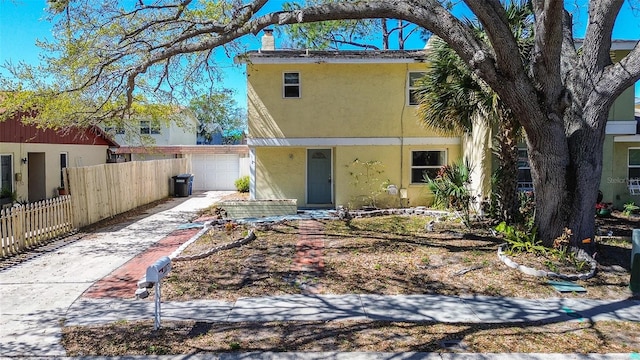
(450, 188)
(218, 112)
(345, 34)
(106, 58)
(453, 100)
(520, 241)
(328, 34)
(6, 193)
(366, 178)
(630, 208)
(242, 184)
(562, 253)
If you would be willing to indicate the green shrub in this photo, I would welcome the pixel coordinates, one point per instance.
(242, 184)
(450, 188)
(520, 240)
(630, 208)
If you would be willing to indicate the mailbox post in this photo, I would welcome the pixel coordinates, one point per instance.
(154, 275)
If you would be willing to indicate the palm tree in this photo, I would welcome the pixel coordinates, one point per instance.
(452, 99)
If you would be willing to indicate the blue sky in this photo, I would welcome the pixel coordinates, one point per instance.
(22, 22)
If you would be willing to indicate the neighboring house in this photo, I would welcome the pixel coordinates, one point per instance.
(216, 167)
(181, 130)
(621, 152)
(313, 113)
(32, 159)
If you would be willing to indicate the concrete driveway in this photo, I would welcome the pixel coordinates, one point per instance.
(36, 294)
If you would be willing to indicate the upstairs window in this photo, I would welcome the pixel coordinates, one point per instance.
(426, 163)
(291, 85)
(414, 86)
(146, 127)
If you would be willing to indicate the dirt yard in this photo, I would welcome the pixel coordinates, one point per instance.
(385, 255)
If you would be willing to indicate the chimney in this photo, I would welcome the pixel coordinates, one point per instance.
(268, 42)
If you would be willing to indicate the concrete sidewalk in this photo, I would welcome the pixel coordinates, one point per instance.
(36, 294)
(414, 308)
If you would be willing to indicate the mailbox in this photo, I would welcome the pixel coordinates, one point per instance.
(158, 270)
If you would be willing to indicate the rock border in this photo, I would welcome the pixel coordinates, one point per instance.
(345, 213)
(550, 274)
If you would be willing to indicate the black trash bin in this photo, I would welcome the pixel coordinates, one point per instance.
(181, 185)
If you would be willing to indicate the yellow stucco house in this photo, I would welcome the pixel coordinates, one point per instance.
(319, 120)
(317, 117)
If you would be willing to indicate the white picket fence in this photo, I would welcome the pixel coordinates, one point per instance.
(29, 225)
(96, 193)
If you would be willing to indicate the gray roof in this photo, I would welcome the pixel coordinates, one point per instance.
(280, 56)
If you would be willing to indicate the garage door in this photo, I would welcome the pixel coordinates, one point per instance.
(215, 172)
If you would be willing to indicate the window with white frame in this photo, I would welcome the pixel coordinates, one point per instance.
(525, 182)
(414, 86)
(149, 128)
(633, 163)
(6, 173)
(426, 163)
(291, 85)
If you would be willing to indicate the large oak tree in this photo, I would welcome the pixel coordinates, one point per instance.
(106, 58)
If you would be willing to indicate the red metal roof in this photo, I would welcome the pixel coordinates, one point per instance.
(15, 131)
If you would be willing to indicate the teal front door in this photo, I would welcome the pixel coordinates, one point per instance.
(319, 182)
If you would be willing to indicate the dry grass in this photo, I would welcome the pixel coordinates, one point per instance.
(391, 255)
(350, 336)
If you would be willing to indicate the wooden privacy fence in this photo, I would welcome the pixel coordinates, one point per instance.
(25, 226)
(102, 191)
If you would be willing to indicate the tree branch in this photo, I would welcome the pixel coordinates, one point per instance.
(621, 75)
(597, 40)
(545, 60)
(493, 18)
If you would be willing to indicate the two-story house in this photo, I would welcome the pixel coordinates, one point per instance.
(312, 114)
(150, 139)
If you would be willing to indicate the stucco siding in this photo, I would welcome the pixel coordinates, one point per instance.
(337, 100)
(78, 155)
(280, 174)
(623, 107)
(354, 192)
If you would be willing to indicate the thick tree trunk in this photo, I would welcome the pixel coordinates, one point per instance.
(585, 133)
(566, 166)
(549, 161)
